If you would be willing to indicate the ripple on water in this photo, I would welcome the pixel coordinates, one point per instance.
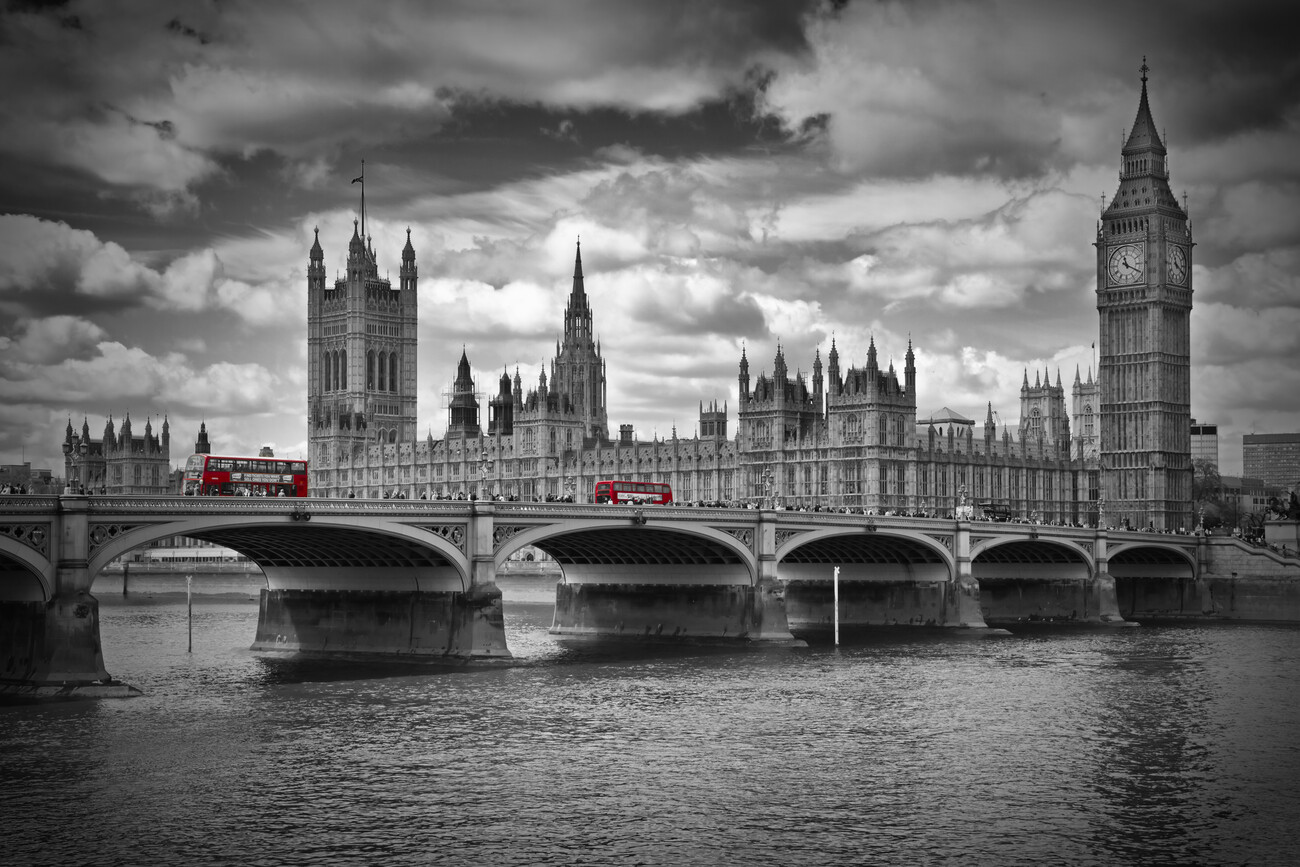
(1165, 745)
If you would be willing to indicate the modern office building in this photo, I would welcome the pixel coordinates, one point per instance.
(1275, 458)
(1205, 442)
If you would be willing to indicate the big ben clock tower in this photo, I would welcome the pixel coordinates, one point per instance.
(1144, 298)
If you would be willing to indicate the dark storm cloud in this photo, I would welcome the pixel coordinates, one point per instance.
(739, 173)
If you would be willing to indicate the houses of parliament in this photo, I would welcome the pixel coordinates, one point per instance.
(850, 438)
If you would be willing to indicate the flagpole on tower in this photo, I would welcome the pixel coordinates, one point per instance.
(362, 180)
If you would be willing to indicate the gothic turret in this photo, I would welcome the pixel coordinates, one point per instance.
(744, 376)
(835, 385)
(462, 409)
(909, 370)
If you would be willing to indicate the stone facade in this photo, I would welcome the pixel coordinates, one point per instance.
(850, 439)
(119, 462)
(1144, 298)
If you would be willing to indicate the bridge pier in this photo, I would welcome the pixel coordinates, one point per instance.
(419, 612)
(51, 647)
(724, 599)
(962, 602)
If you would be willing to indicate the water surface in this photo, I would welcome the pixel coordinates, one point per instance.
(1154, 745)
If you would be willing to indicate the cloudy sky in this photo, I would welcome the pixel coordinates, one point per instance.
(740, 174)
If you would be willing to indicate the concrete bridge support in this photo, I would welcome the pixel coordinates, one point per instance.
(49, 635)
(887, 578)
(659, 582)
(424, 611)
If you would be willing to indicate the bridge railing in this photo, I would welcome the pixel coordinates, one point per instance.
(178, 505)
(25, 503)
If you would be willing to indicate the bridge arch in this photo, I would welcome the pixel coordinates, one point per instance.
(343, 552)
(654, 552)
(883, 554)
(1147, 560)
(25, 575)
(1031, 551)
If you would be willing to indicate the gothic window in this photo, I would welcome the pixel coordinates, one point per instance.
(1087, 420)
(898, 431)
(343, 369)
(392, 435)
(392, 371)
(883, 477)
(882, 429)
(383, 372)
(325, 372)
(1035, 422)
(370, 369)
(853, 429)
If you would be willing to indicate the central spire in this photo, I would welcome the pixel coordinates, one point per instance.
(579, 290)
(577, 316)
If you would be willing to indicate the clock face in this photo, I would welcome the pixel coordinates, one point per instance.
(1126, 265)
(1177, 265)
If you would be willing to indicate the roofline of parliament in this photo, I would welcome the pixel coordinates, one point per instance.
(851, 439)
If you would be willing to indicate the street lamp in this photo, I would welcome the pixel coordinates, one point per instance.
(961, 501)
(767, 487)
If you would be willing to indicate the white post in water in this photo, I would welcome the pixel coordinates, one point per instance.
(836, 583)
(189, 608)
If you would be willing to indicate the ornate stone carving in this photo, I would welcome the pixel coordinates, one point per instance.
(783, 536)
(1087, 547)
(502, 533)
(944, 539)
(744, 535)
(978, 540)
(453, 533)
(34, 536)
(101, 533)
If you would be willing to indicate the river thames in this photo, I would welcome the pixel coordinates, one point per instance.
(1144, 746)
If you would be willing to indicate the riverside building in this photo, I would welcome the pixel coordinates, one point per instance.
(849, 439)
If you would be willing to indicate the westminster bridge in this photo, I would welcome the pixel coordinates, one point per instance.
(418, 577)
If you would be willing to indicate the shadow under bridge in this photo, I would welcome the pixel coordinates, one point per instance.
(648, 555)
(1035, 580)
(1153, 581)
(324, 557)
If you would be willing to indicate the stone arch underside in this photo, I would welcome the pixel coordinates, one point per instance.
(1030, 560)
(320, 556)
(865, 557)
(644, 555)
(1149, 561)
(21, 578)
(1024, 581)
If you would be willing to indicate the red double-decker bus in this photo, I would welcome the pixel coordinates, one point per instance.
(638, 493)
(214, 476)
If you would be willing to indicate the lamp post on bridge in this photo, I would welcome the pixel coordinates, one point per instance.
(961, 503)
(767, 487)
(483, 463)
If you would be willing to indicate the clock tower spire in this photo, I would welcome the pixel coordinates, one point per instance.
(1144, 299)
